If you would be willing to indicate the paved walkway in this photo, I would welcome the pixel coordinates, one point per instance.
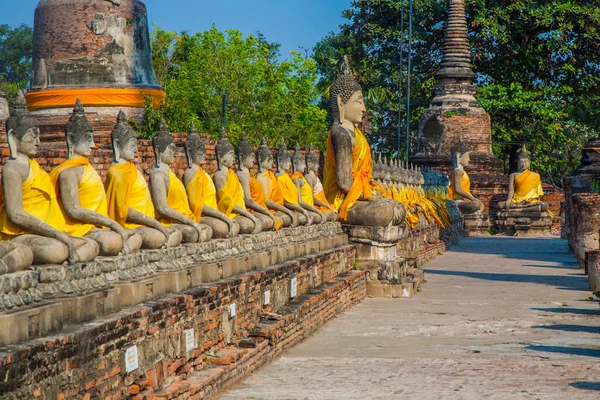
(498, 319)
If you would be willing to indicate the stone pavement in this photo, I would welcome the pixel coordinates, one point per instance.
(499, 318)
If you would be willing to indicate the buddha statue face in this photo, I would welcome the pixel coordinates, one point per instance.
(346, 97)
(168, 156)
(129, 149)
(460, 155)
(299, 160)
(124, 141)
(266, 163)
(163, 145)
(265, 156)
(312, 161)
(353, 110)
(194, 148)
(22, 130)
(227, 159)
(246, 155)
(524, 159)
(225, 151)
(79, 133)
(29, 142)
(248, 161)
(284, 164)
(284, 160)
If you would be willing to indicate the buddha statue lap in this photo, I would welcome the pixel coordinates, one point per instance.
(201, 191)
(30, 215)
(168, 192)
(347, 176)
(460, 183)
(254, 197)
(312, 167)
(129, 199)
(230, 194)
(81, 194)
(273, 196)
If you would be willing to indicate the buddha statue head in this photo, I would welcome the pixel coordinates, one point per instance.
(265, 156)
(225, 151)
(22, 129)
(284, 160)
(346, 97)
(246, 155)
(312, 161)
(460, 155)
(387, 170)
(163, 145)
(124, 140)
(195, 150)
(524, 159)
(298, 160)
(396, 172)
(79, 133)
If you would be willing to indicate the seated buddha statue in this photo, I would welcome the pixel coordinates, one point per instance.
(347, 176)
(129, 199)
(201, 191)
(168, 192)
(81, 194)
(460, 183)
(524, 188)
(29, 211)
(291, 193)
(270, 185)
(312, 167)
(254, 197)
(307, 200)
(230, 194)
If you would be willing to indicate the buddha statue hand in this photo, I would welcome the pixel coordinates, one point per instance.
(70, 243)
(257, 225)
(125, 235)
(295, 220)
(201, 232)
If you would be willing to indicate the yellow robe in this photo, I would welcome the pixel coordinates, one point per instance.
(288, 188)
(258, 195)
(230, 195)
(177, 199)
(91, 194)
(465, 184)
(201, 192)
(126, 188)
(39, 200)
(305, 190)
(362, 172)
(274, 194)
(528, 188)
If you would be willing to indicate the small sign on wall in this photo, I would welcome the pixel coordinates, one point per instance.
(267, 297)
(293, 287)
(189, 340)
(232, 310)
(131, 359)
(316, 271)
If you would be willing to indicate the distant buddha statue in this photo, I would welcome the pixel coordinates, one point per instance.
(273, 195)
(291, 193)
(312, 167)
(525, 188)
(460, 183)
(29, 211)
(129, 199)
(230, 194)
(201, 191)
(81, 194)
(347, 176)
(168, 192)
(254, 197)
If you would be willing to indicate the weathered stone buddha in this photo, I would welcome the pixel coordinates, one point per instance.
(347, 176)
(230, 194)
(81, 194)
(273, 195)
(306, 198)
(254, 197)
(201, 191)
(168, 192)
(129, 199)
(460, 183)
(311, 176)
(524, 188)
(29, 211)
(291, 194)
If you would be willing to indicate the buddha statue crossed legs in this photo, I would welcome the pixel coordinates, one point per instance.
(168, 192)
(81, 193)
(29, 211)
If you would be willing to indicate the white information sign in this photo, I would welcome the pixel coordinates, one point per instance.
(267, 297)
(316, 271)
(131, 359)
(232, 310)
(293, 287)
(189, 340)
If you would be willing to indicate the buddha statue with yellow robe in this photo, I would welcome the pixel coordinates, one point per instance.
(307, 199)
(201, 191)
(347, 175)
(168, 192)
(291, 193)
(254, 197)
(129, 199)
(273, 195)
(81, 194)
(230, 194)
(31, 220)
(312, 167)
(525, 188)
(460, 183)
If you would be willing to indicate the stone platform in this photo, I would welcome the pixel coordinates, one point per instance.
(524, 224)
(477, 224)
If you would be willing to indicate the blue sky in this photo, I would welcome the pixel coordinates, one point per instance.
(291, 23)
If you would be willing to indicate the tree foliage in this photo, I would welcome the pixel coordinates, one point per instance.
(538, 65)
(266, 96)
(16, 49)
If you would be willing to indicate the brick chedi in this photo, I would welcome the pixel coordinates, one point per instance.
(95, 50)
(455, 114)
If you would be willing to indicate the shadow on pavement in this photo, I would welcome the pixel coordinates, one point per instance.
(576, 351)
(570, 328)
(586, 385)
(580, 311)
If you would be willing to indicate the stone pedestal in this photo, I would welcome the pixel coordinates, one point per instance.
(585, 220)
(593, 269)
(519, 223)
(476, 224)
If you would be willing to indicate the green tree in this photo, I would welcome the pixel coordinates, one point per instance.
(537, 63)
(266, 96)
(16, 49)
